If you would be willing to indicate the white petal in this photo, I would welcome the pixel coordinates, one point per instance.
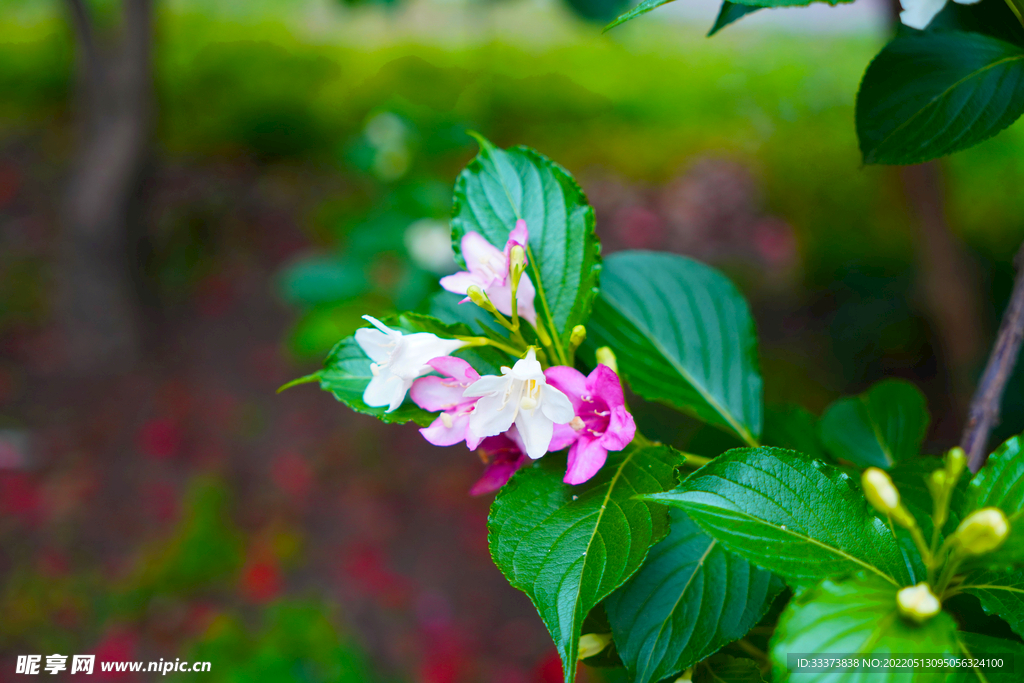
(486, 385)
(377, 345)
(399, 396)
(919, 13)
(528, 368)
(492, 416)
(382, 390)
(380, 326)
(536, 430)
(556, 405)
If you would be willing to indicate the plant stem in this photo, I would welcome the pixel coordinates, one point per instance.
(484, 341)
(984, 411)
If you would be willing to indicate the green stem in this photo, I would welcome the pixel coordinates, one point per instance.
(315, 377)
(484, 341)
(695, 460)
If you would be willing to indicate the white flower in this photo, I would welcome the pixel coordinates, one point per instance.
(521, 396)
(398, 359)
(919, 13)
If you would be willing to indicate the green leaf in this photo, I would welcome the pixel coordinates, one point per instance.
(730, 12)
(976, 645)
(569, 547)
(799, 518)
(1000, 483)
(726, 669)
(346, 371)
(499, 187)
(641, 9)
(793, 427)
(320, 280)
(857, 616)
(689, 599)
(1001, 593)
(878, 428)
(930, 94)
(683, 336)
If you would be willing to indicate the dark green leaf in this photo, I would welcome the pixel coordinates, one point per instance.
(689, 599)
(878, 428)
(976, 645)
(930, 94)
(990, 17)
(1001, 593)
(318, 280)
(858, 616)
(569, 547)
(641, 9)
(683, 335)
(1000, 483)
(346, 371)
(499, 187)
(799, 518)
(730, 12)
(793, 427)
(726, 669)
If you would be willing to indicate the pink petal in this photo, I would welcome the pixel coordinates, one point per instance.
(563, 436)
(621, 429)
(524, 298)
(477, 250)
(437, 393)
(495, 476)
(569, 381)
(456, 368)
(459, 283)
(586, 458)
(519, 235)
(605, 383)
(440, 435)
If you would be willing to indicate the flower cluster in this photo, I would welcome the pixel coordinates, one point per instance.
(523, 413)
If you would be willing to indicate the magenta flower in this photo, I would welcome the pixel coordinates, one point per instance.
(445, 394)
(503, 455)
(601, 424)
(488, 270)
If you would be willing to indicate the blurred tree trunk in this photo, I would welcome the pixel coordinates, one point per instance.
(949, 279)
(97, 303)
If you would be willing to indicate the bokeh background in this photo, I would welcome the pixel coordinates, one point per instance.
(199, 197)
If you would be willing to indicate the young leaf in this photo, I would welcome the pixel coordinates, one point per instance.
(930, 94)
(683, 335)
(346, 371)
(799, 518)
(1001, 593)
(730, 12)
(569, 547)
(689, 599)
(857, 617)
(499, 187)
(641, 9)
(878, 428)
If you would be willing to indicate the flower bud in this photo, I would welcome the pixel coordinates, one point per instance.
(956, 461)
(982, 531)
(593, 643)
(480, 298)
(937, 483)
(605, 356)
(517, 257)
(577, 337)
(880, 491)
(918, 603)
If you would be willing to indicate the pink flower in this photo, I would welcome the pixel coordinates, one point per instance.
(488, 270)
(445, 394)
(503, 455)
(602, 422)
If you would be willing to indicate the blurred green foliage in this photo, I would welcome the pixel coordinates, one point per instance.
(296, 642)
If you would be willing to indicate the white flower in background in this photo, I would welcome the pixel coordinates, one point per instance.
(398, 359)
(429, 243)
(520, 396)
(919, 13)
